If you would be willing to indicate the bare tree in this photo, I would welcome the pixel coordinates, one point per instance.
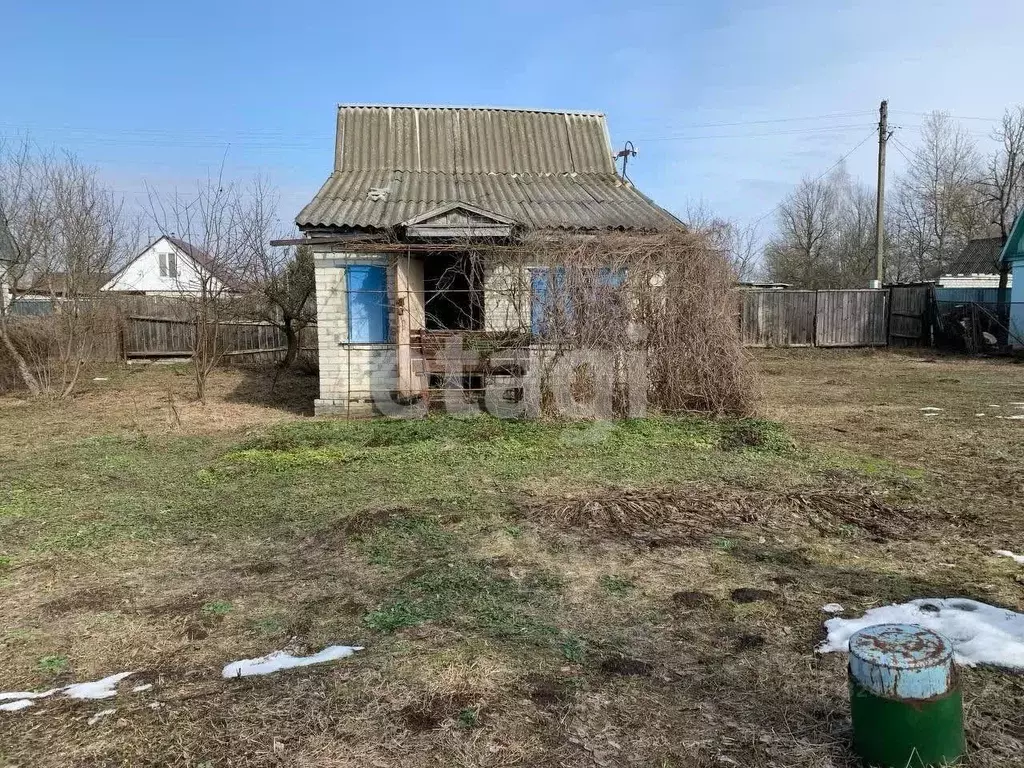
(802, 250)
(939, 202)
(285, 292)
(741, 245)
(224, 225)
(65, 233)
(281, 281)
(1002, 184)
(854, 254)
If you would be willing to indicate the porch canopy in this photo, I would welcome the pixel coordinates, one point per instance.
(450, 172)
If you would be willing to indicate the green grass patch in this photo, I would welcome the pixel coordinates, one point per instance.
(299, 476)
(615, 585)
(405, 540)
(217, 608)
(574, 649)
(53, 665)
(468, 594)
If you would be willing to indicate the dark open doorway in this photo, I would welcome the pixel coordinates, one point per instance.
(453, 290)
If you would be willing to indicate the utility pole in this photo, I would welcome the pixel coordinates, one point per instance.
(883, 138)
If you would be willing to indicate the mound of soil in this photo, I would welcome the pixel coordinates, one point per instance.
(651, 517)
(693, 514)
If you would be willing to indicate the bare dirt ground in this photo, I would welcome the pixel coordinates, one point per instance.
(646, 593)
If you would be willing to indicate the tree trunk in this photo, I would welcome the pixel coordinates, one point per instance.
(31, 382)
(292, 335)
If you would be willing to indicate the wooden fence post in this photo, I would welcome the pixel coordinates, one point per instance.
(814, 334)
(888, 318)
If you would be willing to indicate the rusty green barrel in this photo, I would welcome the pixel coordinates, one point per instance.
(905, 698)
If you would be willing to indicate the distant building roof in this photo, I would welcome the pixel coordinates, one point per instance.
(765, 286)
(979, 257)
(194, 252)
(542, 169)
(56, 284)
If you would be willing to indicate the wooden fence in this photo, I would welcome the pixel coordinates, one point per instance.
(834, 318)
(161, 337)
(155, 327)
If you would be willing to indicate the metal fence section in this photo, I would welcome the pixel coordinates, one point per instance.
(968, 295)
(979, 327)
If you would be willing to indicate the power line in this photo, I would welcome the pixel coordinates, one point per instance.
(284, 140)
(823, 174)
(832, 116)
(900, 146)
(952, 116)
(794, 131)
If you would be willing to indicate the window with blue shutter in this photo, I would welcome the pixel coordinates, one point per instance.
(551, 306)
(367, 304)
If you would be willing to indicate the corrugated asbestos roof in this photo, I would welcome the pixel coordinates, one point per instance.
(546, 170)
(979, 257)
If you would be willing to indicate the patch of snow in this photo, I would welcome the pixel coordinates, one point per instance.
(14, 706)
(930, 413)
(979, 414)
(980, 633)
(98, 689)
(832, 608)
(930, 408)
(1007, 553)
(141, 688)
(278, 660)
(995, 406)
(28, 694)
(100, 715)
(1019, 405)
(1016, 418)
(101, 378)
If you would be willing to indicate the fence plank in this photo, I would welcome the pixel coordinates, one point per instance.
(908, 315)
(828, 318)
(852, 318)
(777, 318)
(148, 336)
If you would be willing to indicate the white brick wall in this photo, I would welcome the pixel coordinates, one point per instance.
(349, 373)
(506, 298)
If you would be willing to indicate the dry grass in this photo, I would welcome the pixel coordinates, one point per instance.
(159, 399)
(645, 594)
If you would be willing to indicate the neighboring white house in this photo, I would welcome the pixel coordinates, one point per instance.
(977, 266)
(7, 256)
(169, 266)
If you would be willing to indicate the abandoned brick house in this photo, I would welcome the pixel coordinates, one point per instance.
(412, 191)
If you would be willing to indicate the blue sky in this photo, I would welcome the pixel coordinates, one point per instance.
(159, 94)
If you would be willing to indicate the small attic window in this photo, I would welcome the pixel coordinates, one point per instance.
(169, 264)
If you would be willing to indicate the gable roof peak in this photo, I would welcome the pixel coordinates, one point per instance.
(470, 108)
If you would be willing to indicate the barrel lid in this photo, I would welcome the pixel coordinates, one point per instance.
(900, 646)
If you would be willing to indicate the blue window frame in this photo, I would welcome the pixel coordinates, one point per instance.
(367, 304)
(551, 304)
(544, 282)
